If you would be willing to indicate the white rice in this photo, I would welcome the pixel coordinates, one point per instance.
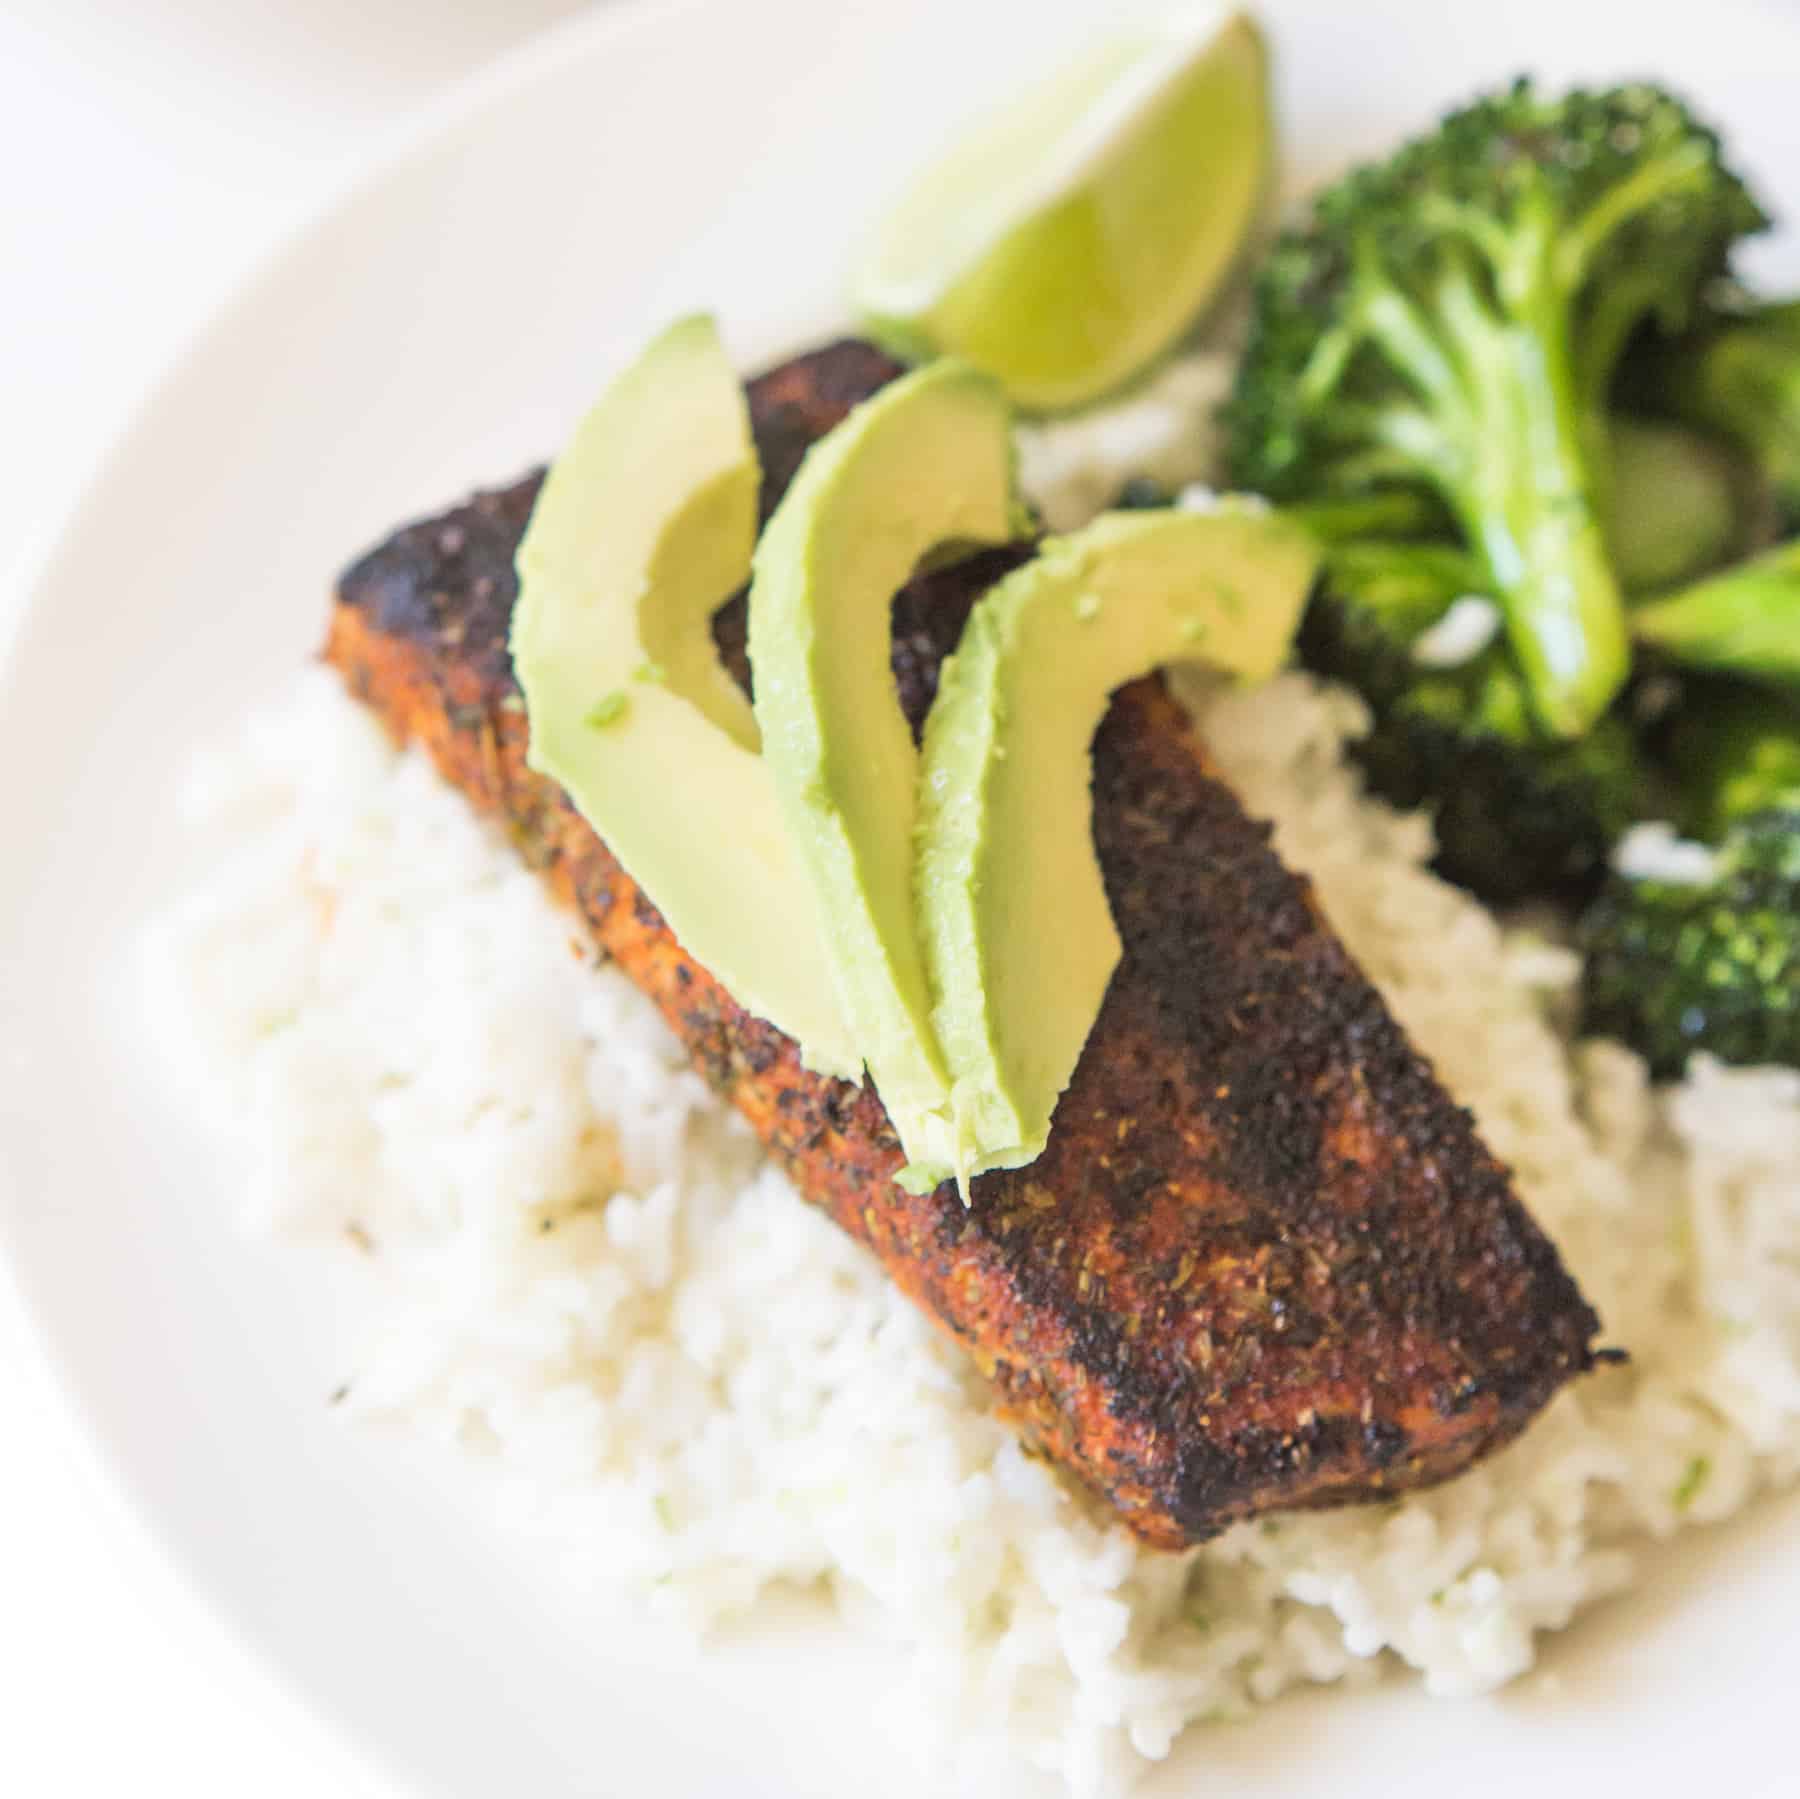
(1162, 430)
(1471, 624)
(698, 1388)
(1658, 852)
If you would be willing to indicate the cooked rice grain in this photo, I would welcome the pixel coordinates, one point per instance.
(696, 1386)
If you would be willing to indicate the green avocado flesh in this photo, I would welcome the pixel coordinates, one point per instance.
(1019, 941)
(938, 915)
(644, 527)
(924, 464)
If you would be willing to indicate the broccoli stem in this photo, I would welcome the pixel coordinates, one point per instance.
(1530, 507)
(1744, 621)
(1393, 512)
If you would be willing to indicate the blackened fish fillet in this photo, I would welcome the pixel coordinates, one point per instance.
(1265, 1262)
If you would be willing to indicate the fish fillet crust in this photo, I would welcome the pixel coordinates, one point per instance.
(1265, 1262)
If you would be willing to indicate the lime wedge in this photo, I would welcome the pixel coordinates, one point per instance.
(1068, 240)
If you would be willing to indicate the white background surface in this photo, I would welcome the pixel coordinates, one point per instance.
(154, 150)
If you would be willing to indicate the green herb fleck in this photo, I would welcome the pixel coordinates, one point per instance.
(608, 711)
(1192, 630)
(652, 674)
(665, 1511)
(1693, 1478)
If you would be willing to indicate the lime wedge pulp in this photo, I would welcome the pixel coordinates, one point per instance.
(1068, 240)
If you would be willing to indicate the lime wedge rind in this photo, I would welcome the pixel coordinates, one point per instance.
(988, 212)
(1070, 239)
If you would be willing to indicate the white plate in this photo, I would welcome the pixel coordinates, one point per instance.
(440, 328)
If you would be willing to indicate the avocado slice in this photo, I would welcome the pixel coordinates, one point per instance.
(926, 463)
(1019, 940)
(644, 527)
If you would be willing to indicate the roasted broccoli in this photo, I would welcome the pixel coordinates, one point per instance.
(1451, 320)
(1688, 948)
(1734, 750)
(1737, 374)
(1517, 813)
(1677, 507)
(1710, 962)
(1744, 620)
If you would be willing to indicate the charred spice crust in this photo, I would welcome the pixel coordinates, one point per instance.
(1265, 1262)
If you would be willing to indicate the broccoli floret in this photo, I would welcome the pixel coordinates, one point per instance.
(1737, 374)
(1452, 319)
(1375, 600)
(1711, 962)
(1736, 751)
(1517, 814)
(1677, 966)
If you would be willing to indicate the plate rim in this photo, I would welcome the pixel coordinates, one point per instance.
(419, 133)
